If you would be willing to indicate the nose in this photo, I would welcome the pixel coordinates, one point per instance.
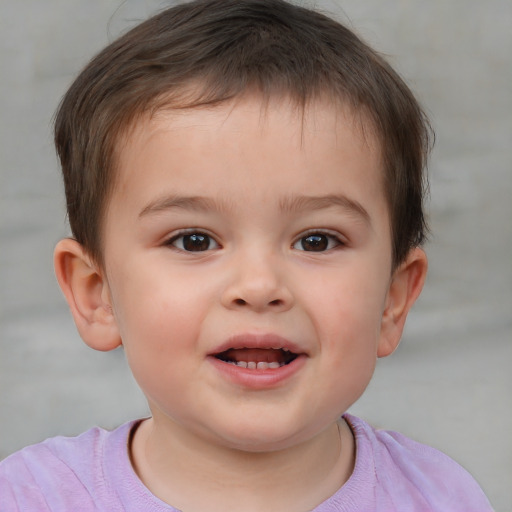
(257, 283)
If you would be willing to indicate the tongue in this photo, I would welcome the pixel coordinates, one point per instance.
(257, 355)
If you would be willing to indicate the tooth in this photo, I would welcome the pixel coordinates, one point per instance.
(251, 365)
(285, 350)
(274, 364)
(242, 364)
(262, 365)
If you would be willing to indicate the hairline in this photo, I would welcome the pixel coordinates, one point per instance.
(361, 119)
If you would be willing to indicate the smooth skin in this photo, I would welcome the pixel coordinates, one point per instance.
(245, 220)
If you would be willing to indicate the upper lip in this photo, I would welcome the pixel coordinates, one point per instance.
(261, 341)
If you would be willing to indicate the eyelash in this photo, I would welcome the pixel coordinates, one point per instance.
(333, 241)
(321, 241)
(172, 242)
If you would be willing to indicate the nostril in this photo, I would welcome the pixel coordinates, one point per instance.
(242, 302)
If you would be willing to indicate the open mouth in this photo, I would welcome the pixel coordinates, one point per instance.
(257, 358)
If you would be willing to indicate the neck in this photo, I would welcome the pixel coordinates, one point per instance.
(194, 475)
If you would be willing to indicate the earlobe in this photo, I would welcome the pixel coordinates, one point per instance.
(87, 293)
(406, 285)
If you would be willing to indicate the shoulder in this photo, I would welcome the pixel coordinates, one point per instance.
(61, 473)
(413, 476)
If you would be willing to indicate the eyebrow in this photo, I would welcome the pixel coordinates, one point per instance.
(294, 204)
(302, 203)
(195, 203)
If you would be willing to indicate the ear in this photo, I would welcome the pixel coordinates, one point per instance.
(406, 285)
(87, 293)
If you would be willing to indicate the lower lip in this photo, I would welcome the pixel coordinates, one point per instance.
(258, 379)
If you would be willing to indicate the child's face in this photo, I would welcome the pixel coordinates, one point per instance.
(239, 234)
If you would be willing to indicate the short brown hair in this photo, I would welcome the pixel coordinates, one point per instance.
(209, 51)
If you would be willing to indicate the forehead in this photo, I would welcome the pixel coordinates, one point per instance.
(247, 136)
(319, 113)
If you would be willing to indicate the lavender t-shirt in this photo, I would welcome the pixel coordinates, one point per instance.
(92, 472)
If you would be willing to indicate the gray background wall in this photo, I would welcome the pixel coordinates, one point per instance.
(449, 384)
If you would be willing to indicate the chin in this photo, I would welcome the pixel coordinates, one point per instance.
(268, 437)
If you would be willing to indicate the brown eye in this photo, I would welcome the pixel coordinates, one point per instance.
(194, 242)
(316, 242)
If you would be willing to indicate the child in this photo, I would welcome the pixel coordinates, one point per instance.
(244, 183)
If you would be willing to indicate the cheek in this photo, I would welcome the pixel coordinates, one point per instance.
(347, 313)
(159, 338)
(350, 306)
(156, 325)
